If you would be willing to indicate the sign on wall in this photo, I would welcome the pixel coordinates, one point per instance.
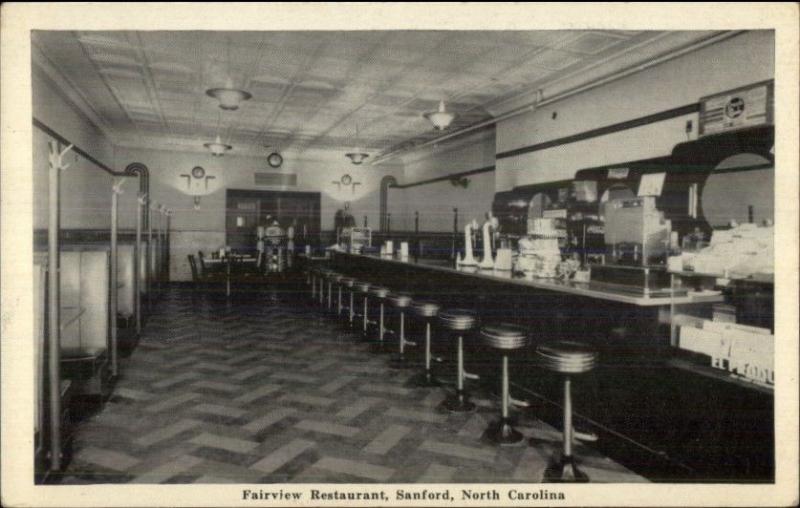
(736, 109)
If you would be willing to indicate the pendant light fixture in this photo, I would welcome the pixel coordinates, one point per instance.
(218, 148)
(357, 156)
(440, 119)
(229, 97)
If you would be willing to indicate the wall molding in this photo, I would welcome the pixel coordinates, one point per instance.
(442, 178)
(75, 148)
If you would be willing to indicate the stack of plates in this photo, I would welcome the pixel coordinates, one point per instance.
(567, 357)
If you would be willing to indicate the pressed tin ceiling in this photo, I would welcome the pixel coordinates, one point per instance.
(312, 88)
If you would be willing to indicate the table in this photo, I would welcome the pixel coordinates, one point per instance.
(217, 263)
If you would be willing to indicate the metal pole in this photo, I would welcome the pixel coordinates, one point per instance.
(137, 263)
(567, 419)
(53, 302)
(455, 233)
(149, 270)
(380, 333)
(416, 235)
(505, 388)
(365, 321)
(460, 376)
(114, 277)
(428, 347)
(402, 333)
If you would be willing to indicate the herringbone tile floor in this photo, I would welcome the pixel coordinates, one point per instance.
(263, 391)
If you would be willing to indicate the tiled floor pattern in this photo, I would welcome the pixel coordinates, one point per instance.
(221, 392)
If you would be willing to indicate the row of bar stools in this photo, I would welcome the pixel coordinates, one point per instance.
(400, 302)
(504, 338)
(459, 322)
(427, 311)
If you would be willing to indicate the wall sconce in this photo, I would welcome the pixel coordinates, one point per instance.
(197, 202)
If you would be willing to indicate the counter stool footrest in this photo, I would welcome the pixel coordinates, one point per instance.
(470, 375)
(518, 402)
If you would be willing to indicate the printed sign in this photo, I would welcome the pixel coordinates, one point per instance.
(743, 107)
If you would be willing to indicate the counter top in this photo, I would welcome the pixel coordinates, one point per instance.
(570, 287)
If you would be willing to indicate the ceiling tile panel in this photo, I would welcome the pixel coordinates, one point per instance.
(591, 43)
(554, 59)
(310, 88)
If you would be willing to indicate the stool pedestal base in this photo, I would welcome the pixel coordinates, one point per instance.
(379, 346)
(564, 471)
(503, 433)
(400, 361)
(424, 379)
(459, 403)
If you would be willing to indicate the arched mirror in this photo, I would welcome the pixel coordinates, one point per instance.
(741, 189)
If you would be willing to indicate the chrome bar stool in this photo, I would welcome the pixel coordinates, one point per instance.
(459, 322)
(401, 302)
(363, 289)
(330, 277)
(380, 294)
(348, 283)
(505, 339)
(339, 304)
(567, 358)
(321, 296)
(313, 274)
(427, 311)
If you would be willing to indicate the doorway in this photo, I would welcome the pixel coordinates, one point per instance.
(245, 210)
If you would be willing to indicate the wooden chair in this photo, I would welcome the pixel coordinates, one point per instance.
(193, 266)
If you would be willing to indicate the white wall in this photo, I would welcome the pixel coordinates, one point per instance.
(204, 229)
(736, 62)
(85, 188)
(435, 201)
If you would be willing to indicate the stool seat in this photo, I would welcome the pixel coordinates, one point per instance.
(379, 292)
(505, 337)
(426, 309)
(337, 278)
(567, 357)
(458, 319)
(348, 281)
(400, 300)
(362, 287)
